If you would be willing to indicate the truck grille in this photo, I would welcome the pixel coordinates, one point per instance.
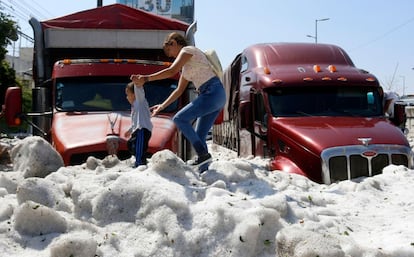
(348, 162)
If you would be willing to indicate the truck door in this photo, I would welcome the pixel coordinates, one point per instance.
(259, 142)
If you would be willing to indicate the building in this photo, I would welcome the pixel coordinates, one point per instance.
(22, 63)
(178, 9)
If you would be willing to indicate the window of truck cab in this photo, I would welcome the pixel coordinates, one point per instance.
(259, 111)
(351, 101)
(103, 94)
(244, 64)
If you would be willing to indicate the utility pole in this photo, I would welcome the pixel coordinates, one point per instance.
(316, 29)
(99, 4)
(403, 87)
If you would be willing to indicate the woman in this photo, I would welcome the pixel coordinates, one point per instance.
(194, 67)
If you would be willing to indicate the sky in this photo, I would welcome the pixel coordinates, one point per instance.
(237, 208)
(378, 35)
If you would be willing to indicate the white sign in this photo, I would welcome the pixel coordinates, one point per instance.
(178, 9)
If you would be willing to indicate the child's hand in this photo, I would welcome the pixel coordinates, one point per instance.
(139, 80)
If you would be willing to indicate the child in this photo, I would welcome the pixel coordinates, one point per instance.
(141, 127)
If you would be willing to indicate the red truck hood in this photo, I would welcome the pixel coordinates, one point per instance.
(75, 133)
(318, 133)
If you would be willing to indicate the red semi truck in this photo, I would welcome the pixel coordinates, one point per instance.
(308, 108)
(82, 63)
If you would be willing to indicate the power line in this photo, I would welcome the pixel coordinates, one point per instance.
(22, 10)
(27, 9)
(385, 34)
(17, 11)
(11, 11)
(25, 36)
(17, 14)
(42, 11)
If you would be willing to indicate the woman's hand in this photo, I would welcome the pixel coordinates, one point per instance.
(156, 109)
(139, 80)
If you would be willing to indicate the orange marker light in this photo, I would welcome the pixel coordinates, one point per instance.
(17, 121)
(266, 70)
(332, 68)
(317, 68)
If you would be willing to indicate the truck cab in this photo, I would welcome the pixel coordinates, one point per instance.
(82, 63)
(311, 111)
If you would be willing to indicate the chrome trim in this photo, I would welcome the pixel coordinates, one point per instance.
(112, 144)
(365, 140)
(347, 151)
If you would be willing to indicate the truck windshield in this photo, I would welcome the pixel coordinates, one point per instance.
(78, 95)
(325, 101)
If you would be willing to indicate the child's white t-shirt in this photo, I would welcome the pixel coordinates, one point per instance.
(140, 112)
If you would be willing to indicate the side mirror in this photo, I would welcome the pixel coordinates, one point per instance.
(400, 117)
(12, 107)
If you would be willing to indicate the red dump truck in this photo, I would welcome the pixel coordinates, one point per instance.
(308, 108)
(82, 63)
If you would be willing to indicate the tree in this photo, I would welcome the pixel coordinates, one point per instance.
(8, 33)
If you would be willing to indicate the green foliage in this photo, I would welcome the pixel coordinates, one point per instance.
(7, 75)
(27, 97)
(8, 33)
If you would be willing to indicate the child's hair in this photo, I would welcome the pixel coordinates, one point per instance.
(130, 87)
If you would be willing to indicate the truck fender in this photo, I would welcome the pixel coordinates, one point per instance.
(284, 164)
(220, 117)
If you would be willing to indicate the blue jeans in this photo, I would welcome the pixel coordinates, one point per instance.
(205, 108)
(138, 145)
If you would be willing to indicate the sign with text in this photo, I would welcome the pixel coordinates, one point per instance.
(178, 9)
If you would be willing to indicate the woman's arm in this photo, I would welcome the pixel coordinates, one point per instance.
(176, 66)
(182, 85)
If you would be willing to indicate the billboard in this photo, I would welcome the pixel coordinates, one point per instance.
(178, 9)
